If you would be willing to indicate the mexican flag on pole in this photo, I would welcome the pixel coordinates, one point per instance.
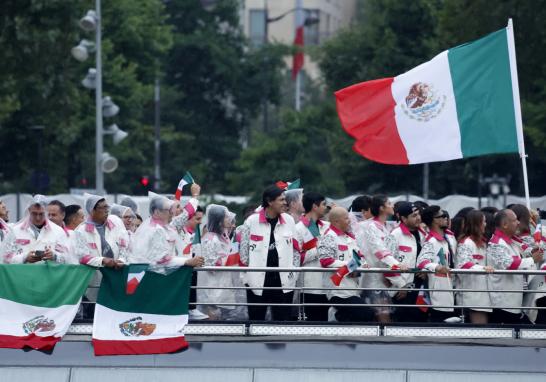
(186, 179)
(462, 103)
(38, 302)
(151, 320)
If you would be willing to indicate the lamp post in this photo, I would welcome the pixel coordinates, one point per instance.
(104, 107)
(99, 175)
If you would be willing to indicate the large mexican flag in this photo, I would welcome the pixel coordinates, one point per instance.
(38, 302)
(462, 103)
(148, 318)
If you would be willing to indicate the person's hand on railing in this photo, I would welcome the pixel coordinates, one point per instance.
(442, 269)
(403, 267)
(111, 263)
(402, 294)
(197, 261)
(489, 269)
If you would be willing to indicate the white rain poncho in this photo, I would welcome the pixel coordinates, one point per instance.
(24, 237)
(216, 247)
(90, 201)
(120, 211)
(157, 243)
(127, 201)
(294, 196)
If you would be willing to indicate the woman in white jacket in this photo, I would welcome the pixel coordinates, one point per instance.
(471, 254)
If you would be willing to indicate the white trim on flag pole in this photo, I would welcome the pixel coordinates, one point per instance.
(517, 107)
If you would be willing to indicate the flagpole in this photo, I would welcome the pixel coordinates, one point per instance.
(517, 108)
(298, 91)
(299, 20)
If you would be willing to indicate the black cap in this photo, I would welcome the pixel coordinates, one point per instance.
(406, 208)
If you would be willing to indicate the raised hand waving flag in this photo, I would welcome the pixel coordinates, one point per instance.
(186, 179)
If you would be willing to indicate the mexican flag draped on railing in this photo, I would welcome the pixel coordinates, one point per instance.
(462, 103)
(147, 318)
(38, 302)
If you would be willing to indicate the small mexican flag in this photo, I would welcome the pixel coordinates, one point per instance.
(149, 321)
(462, 103)
(38, 302)
(422, 299)
(187, 179)
(351, 266)
(134, 275)
(293, 185)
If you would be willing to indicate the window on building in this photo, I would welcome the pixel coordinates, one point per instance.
(312, 24)
(256, 26)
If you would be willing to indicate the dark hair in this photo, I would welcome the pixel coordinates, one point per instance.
(248, 210)
(500, 217)
(421, 205)
(59, 204)
(70, 211)
(270, 194)
(138, 217)
(473, 227)
(199, 209)
(362, 202)
(427, 216)
(377, 202)
(310, 199)
(457, 225)
(489, 224)
(490, 210)
(523, 215)
(463, 212)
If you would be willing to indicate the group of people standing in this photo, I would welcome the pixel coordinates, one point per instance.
(415, 247)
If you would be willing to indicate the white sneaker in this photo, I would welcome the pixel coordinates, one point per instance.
(453, 320)
(196, 314)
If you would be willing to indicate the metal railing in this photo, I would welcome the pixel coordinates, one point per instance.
(301, 304)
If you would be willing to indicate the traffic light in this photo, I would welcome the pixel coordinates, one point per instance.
(144, 180)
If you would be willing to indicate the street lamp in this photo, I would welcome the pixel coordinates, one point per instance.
(104, 162)
(90, 80)
(118, 135)
(82, 50)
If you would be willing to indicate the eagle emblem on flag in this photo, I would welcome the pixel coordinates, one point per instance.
(422, 102)
(134, 327)
(38, 324)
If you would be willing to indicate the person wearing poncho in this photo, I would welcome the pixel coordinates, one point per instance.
(156, 242)
(216, 247)
(35, 238)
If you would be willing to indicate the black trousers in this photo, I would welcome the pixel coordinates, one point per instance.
(315, 313)
(500, 316)
(275, 296)
(541, 316)
(352, 313)
(409, 314)
(193, 292)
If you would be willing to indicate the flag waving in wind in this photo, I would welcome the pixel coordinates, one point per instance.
(187, 179)
(462, 103)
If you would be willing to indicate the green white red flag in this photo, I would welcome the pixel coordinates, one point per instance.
(462, 103)
(38, 302)
(151, 320)
(186, 179)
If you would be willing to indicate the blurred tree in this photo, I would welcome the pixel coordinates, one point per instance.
(41, 86)
(216, 86)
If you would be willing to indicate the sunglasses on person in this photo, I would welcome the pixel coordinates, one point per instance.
(442, 216)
